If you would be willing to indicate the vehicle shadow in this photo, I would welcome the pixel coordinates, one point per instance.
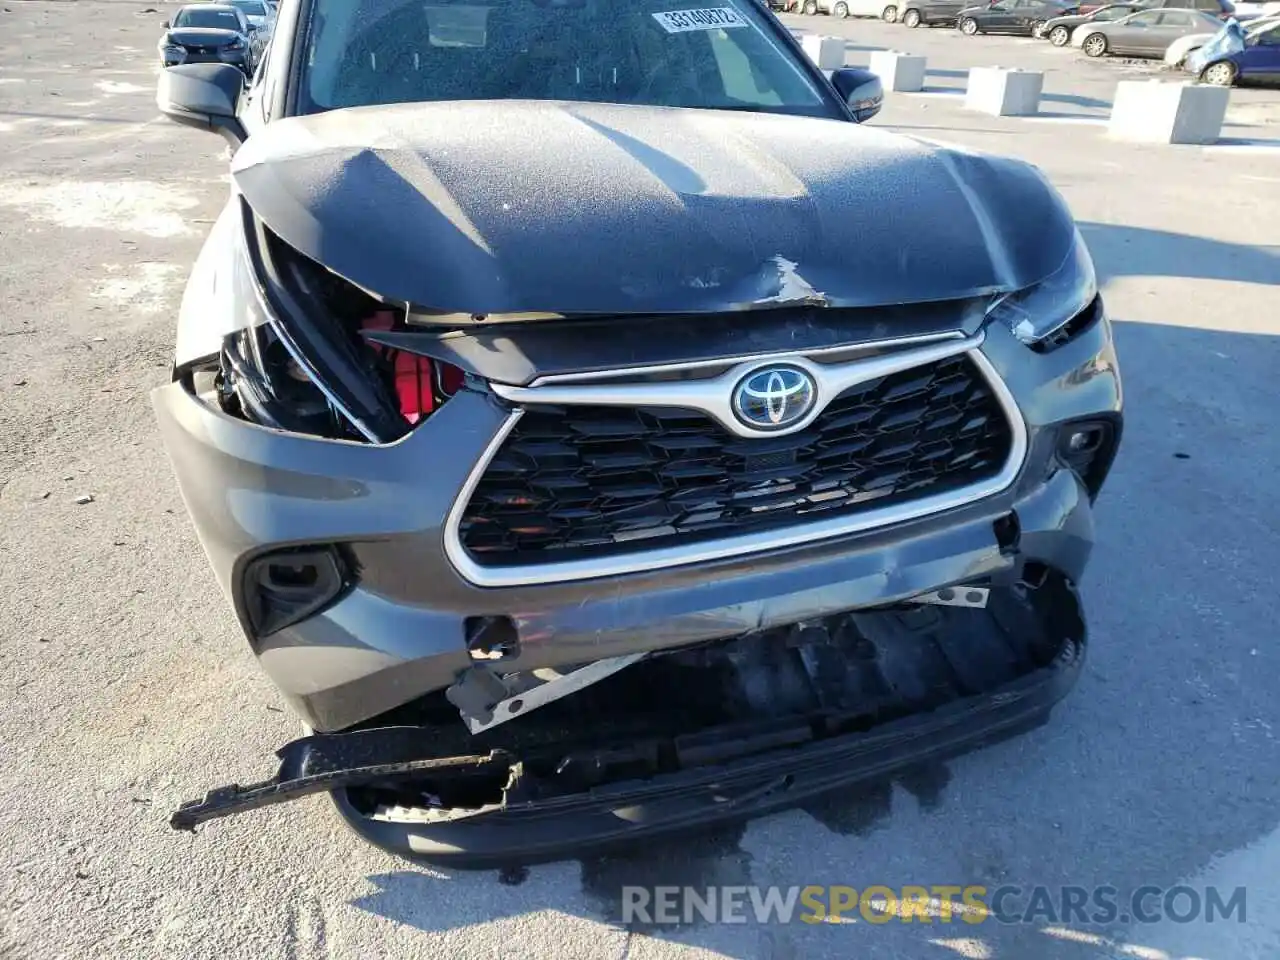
(1122, 250)
(1153, 767)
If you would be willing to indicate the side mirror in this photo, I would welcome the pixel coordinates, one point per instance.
(204, 96)
(861, 89)
(166, 24)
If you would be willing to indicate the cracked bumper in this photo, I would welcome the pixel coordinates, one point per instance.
(398, 633)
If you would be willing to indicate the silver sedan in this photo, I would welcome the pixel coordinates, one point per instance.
(1147, 33)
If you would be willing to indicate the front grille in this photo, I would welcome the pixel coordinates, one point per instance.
(579, 482)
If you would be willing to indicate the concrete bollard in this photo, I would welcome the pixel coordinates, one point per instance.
(826, 52)
(1152, 111)
(898, 71)
(1004, 93)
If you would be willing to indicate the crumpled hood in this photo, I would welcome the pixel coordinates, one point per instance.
(489, 207)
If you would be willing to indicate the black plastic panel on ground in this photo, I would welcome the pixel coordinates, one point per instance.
(581, 482)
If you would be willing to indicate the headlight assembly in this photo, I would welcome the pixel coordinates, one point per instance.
(1041, 315)
(294, 357)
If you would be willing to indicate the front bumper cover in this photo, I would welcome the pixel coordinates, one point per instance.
(401, 629)
(721, 778)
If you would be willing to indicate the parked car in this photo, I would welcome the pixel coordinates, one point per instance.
(257, 12)
(854, 8)
(1177, 53)
(1059, 29)
(1015, 17)
(1147, 33)
(262, 20)
(1256, 59)
(1220, 8)
(575, 483)
(208, 33)
(914, 13)
(1252, 9)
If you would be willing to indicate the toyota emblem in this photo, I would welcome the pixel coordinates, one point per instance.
(774, 398)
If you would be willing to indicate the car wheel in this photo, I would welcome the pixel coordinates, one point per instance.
(889, 14)
(1095, 45)
(1037, 28)
(1059, 36)
(1220, 74)
(968, 26)
(911, 19)
(840, 10)
(810, 8)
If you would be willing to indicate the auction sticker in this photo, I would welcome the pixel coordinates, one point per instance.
(710, 18)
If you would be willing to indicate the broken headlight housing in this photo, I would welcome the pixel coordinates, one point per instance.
(1042, 315)
(295, 357)
(263, 375)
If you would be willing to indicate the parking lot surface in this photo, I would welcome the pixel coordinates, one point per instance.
(126, 686)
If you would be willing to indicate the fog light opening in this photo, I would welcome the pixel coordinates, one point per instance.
(1088, 447)
(282, 588)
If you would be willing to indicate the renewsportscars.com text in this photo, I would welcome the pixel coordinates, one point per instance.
(938, 903)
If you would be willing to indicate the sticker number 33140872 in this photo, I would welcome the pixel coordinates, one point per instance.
(715, 18)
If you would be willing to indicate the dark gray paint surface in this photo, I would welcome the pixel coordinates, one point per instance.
(601, 208)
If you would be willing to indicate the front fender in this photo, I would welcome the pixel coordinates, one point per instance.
(208, 313)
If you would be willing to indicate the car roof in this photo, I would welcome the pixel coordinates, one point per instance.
(207, 6)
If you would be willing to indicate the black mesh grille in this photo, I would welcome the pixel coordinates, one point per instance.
(581, 482)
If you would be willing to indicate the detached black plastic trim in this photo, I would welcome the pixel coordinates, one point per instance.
(590, 824)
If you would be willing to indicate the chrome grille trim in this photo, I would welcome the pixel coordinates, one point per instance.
(566, 571)
(712, 395)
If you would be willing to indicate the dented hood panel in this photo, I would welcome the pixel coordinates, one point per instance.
(492, 207)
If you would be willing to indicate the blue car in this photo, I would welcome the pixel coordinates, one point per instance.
(1237, 54)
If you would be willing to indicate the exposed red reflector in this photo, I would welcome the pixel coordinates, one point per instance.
(421, 384)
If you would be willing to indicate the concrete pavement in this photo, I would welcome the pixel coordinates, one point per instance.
(126, 687)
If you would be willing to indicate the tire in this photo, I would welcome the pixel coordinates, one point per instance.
(840, 10)
(889, 14)
(1059, 36)
(1037, 28)
(1095, 45)
(1220, 74)
(969, 26)
(810, 8)
(911, 19)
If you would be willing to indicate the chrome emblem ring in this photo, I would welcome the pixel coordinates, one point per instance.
(774, 398)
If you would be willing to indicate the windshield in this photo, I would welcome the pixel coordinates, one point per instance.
(251, 8)
(656, 52)
(216, 19)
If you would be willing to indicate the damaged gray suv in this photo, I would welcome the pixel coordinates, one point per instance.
(598, 432)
